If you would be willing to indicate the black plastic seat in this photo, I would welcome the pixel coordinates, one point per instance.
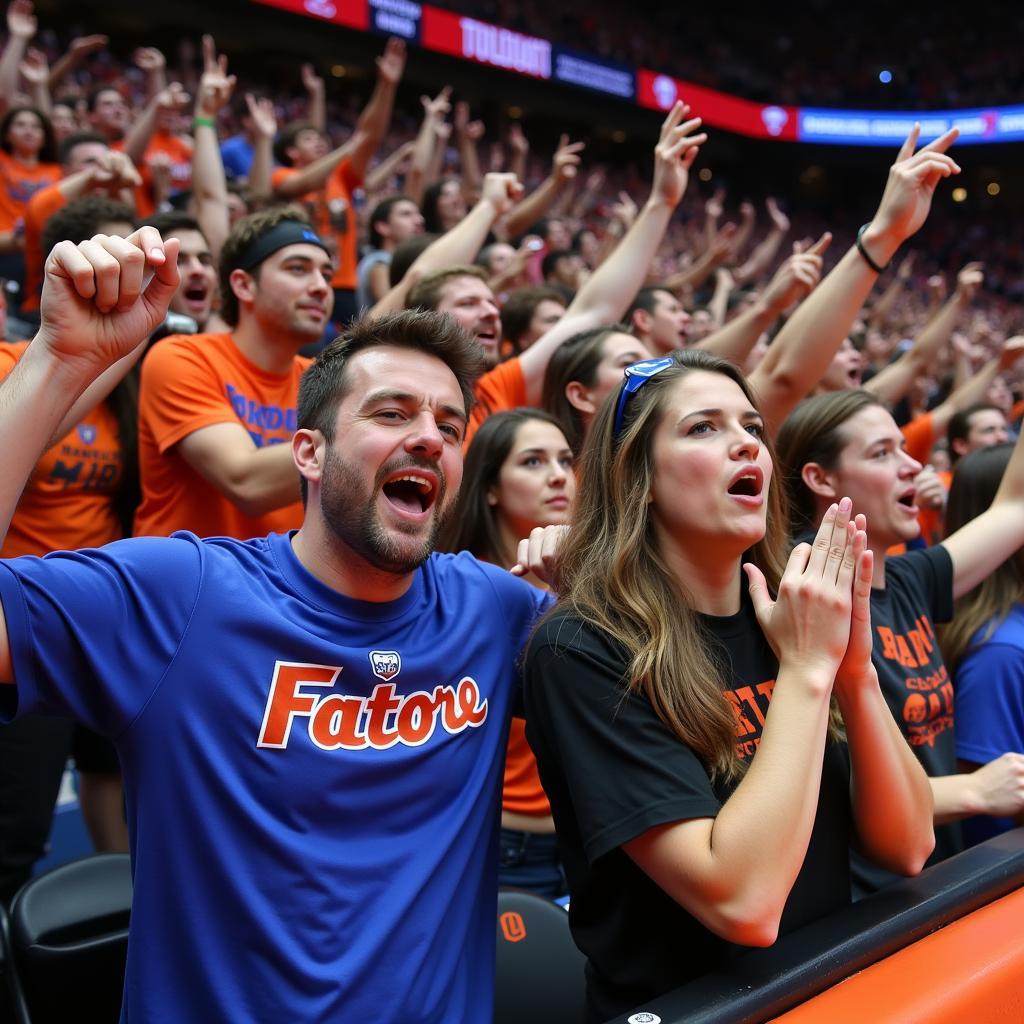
(69, 939)
(539, 978)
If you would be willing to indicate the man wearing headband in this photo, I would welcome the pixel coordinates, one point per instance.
(216, 410)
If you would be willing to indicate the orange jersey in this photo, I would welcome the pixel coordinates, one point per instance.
(18, 184)
(498, 390)
(522, 792)
(41, 207)
(178, 151)
(195, 381)
(332, 215)
(919, 435)
(68, 501)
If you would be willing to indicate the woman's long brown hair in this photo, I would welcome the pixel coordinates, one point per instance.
(611, 574)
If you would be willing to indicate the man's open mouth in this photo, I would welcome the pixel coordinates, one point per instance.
(411, 492)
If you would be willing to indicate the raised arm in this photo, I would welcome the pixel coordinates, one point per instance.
(467, 135)
(97, 307)
(763, 254)
(316, 113)
(21, 28)
(209, 183)
(745, 228)
(803, 348)
(882, 309)
(434, 111)
(519, 146)
(564, 168)
(795, 279)
(378, 177)
(140, 133)
(375, 119)
(265, 122)
(152, 63)
(607, 293)
(313, 177)
(693, 275)
(35, 73)
(895, 380)
(80, 48)
(460, 244)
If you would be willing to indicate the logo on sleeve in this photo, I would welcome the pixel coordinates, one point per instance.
(385, 664)
(382, 720)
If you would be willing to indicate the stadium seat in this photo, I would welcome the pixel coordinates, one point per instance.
(540, 971)
(12, 1005)
(69, 939)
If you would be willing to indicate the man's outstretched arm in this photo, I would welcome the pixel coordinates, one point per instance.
(101, 300)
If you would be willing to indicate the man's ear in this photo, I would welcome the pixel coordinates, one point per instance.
(243, 284)
(959, 445)
(309, 450)
(818, 480)
(580, 398)
(642, 320)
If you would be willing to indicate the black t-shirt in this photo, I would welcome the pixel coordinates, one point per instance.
(612, 771)
(918, 593)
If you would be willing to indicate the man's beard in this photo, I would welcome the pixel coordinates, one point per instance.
(351, 514)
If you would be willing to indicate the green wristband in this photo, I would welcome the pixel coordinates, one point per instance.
(207, 122)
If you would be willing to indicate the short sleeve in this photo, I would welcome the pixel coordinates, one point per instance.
(990, 703)
(179, 395)
(92, 632)
(622, 770)
(498, 390)
(930, 570)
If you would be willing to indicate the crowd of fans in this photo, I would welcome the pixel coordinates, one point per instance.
(294, 217)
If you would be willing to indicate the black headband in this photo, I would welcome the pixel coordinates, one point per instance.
(285, 232)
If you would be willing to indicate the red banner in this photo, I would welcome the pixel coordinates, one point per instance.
(759, 120)
(459, 36)
(350, 13)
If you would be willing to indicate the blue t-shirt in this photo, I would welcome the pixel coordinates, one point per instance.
(989, 687)
(312, 782)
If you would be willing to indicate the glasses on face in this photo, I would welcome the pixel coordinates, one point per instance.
(635, 377)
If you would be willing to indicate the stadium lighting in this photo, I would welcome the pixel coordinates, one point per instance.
(993, 188)
(705, 174)
(339, 71)
(885, 76)
(959, 195)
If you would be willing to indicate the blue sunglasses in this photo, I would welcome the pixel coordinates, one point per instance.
(635, 377)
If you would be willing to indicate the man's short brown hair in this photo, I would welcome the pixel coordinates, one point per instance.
(426, 294)
(325, 383)
(242, 235)
(517, 313)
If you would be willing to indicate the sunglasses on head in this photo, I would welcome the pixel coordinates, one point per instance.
(635, 377)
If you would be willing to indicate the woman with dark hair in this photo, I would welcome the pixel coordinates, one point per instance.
(683, 722)
(518, 475)
(984, 644)
(583, 372)
(444, 205)
(28, 162)
(848, 443)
